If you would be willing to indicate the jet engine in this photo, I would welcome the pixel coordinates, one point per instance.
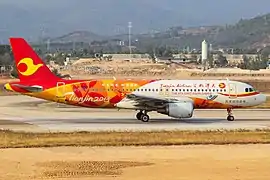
(178, 110)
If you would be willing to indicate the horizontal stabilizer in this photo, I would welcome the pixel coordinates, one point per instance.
(33, 88)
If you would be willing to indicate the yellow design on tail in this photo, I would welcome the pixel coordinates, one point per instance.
(31, 67)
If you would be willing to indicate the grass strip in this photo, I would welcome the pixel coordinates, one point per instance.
(11, 139)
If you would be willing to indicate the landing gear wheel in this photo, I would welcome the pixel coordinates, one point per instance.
(230, 118)
(138, 115)
(144, 118)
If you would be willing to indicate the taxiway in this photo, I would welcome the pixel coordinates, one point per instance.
(30, 114)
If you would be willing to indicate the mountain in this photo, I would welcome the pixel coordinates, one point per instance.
(78, 36)
(34, 19)
(246, 33)
(253, 32)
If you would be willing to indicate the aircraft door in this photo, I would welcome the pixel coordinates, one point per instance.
(60, 91)
(232, 90)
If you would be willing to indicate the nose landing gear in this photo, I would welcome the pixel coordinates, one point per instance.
(142, 115)
(230, 117)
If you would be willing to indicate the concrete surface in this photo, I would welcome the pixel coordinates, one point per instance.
(31, 114)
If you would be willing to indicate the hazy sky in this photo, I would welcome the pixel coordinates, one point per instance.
(27, 17)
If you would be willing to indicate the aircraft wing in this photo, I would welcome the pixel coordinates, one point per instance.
(155, 101)
(29, 88)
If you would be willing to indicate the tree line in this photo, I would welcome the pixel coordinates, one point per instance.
(261, 62)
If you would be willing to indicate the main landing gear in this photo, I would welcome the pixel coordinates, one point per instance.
(142, 115)
(230, 117)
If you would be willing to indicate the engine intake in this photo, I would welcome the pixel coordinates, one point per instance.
(178, 110)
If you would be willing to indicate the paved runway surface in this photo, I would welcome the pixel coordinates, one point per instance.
(31, 114)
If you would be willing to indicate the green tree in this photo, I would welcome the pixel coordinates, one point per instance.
(6, 59)
(14, 72)
(221, 61)
(211, 61)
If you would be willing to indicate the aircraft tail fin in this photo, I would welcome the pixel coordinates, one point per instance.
(29, 65)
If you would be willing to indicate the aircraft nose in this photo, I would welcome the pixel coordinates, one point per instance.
(262, 98)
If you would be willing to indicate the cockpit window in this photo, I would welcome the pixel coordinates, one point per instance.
(250, 90)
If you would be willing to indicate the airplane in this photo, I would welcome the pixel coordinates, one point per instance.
(174, 98)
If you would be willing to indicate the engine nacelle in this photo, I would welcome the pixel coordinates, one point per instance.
(178, 110)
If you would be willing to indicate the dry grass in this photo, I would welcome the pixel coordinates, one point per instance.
(10, 139)
(67, 169)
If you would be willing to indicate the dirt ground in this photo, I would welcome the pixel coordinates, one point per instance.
(241, 162)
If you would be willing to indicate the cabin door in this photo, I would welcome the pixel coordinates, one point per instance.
(60, 91)
(232, 90)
